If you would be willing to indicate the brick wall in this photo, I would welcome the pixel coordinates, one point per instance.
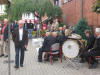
(72, 12)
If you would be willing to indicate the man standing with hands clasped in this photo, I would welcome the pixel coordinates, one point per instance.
(20, 38)
(4, 39)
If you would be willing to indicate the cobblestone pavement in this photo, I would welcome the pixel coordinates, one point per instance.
(32, 67)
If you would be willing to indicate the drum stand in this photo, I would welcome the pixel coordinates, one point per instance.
(69, 60)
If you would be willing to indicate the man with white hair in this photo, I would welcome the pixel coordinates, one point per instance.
(95, 51)
(20, 38)
(4, 49)
(49, 40)
(47, 33)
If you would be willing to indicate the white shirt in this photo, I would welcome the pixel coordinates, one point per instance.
(0, 28)
(38, 26)
(20, 34)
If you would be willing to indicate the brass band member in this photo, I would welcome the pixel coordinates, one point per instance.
(63, 36)
(49, 40)
(90, 42)
(95, 51)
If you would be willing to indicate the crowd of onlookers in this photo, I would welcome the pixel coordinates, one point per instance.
(37, 26)
(30, 27)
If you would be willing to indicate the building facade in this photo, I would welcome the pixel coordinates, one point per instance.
(72, 10)
(57, 2)
(2, 9)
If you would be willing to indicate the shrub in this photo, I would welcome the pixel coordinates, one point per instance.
(81, 26)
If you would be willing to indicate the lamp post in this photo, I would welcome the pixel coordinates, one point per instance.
(9, 65)
(81, 8)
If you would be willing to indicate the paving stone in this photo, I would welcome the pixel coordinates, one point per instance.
(32, 67)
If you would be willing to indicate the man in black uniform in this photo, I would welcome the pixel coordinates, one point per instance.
(90, 44)
(90, 39)
(95, 51)
(61, 36)
(48, 42)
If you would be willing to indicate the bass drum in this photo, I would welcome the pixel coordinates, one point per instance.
(71, 48)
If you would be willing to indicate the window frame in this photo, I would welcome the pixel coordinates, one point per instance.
(66, 1)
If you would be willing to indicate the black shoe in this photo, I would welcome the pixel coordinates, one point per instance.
(47, 60)
(1, 55)
(16, 67)
(93, 66)
(21, 65)
(6, 56)
(26, 49)
(81, 61)
(39, 60)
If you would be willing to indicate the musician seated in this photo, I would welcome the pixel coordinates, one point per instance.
(48, 41)
(90, 39)
(61, 32)
(95, 51)
(90, 42)
(62, 37)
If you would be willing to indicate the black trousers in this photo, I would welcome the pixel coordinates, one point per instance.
(19, 52)
(19, 56)
(91, 54)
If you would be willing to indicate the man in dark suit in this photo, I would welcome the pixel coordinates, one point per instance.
(20, 38)
(48, 41)
(95, 51)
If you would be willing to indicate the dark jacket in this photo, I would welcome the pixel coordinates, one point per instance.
(5, 37)
(25, 25)
(62, 39)
(48, 42)
(97, 44)
(30, 25)
(90, 42)
(16, 37)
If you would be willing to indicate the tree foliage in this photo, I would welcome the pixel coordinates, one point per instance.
(81, 26)
(57, 11)
(2, 17)
(96, 6)
(41, 6)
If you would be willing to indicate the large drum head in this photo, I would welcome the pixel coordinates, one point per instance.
(70, 48)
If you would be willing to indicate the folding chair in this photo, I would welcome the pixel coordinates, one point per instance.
(54, 51)
(90, 60)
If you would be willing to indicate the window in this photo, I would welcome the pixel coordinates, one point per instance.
(65, 1)
(56, 2)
